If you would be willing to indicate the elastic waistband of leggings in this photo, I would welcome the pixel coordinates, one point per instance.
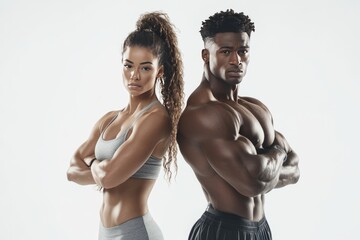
(126, 227)
(232, 219)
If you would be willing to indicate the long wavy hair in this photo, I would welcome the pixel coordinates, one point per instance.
(155, 32)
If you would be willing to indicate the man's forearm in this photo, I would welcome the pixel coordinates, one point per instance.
(273, 158)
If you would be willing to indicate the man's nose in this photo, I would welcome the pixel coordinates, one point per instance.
(235, 58)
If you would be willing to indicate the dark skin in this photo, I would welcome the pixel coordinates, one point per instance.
(230, 141)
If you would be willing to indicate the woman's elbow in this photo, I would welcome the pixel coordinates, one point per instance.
(102, 180)
(106, 182)
(70, 174)
(106, 179)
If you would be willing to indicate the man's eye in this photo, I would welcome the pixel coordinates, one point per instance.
(245, 51)
(226, 52)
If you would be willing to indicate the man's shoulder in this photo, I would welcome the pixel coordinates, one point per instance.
(206, 119)
(252, 100)
(204, 109)
(203, 102)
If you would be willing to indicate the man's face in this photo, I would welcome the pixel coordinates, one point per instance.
(228, 56)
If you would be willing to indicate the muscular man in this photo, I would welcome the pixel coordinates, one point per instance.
(230, 141)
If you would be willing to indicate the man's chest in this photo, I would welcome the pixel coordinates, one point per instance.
(255, 123)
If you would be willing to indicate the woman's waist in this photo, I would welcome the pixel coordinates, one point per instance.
(112, 214)
(121, 200)
(125, 201)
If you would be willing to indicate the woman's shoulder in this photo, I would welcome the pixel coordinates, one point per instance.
(155, 123)
(157, 113)
(109, 115)
(106, 118)
(156, 117)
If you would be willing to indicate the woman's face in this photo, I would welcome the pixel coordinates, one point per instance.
(140, 70)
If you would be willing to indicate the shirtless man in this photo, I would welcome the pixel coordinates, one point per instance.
(230, 141)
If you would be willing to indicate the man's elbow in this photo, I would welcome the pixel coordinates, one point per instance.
(296, 176)
(288, 179)
(251, 194)
(254, 189)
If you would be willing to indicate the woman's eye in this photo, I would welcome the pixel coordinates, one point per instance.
(127, 66)
(146, 68)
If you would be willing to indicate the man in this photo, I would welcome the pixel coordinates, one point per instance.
(230, 141)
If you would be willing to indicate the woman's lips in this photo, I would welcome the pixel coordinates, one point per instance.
(133, 86)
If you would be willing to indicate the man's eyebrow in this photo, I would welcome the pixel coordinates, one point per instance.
(241, 47)
(246, 46)
(225, 48)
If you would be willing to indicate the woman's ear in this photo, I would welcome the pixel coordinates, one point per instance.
(160, 72)
(205, 55)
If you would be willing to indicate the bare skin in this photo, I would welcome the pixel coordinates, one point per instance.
(124, 197)
(230, 141)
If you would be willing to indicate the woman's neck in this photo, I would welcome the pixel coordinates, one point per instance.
(136, 103)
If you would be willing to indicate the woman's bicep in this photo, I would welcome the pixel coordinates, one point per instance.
(87, 148)
(146, 135)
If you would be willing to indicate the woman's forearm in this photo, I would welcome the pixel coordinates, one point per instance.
(80, 176)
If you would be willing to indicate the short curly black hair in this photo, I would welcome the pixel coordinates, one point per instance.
(226, 21)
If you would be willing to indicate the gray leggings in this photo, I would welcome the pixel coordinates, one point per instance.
(139, 228)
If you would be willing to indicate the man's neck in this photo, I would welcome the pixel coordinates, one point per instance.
(219, 88)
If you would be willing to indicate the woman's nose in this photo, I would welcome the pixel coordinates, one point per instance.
(135, 75)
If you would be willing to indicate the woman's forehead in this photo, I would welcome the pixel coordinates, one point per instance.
(139, 54)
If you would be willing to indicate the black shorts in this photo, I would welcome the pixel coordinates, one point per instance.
(216, 225)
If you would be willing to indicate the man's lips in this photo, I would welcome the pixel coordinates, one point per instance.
(235, 72)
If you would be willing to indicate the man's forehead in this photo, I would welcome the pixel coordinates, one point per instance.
(230, 39)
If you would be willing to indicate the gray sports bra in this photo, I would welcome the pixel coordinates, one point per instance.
(105, 149)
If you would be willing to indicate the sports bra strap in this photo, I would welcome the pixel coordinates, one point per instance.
(141, 112)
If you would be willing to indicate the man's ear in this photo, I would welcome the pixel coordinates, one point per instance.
(205, 55)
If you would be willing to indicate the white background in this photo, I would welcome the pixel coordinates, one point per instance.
(60, 68)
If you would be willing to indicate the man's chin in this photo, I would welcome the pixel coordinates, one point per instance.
(234, 81)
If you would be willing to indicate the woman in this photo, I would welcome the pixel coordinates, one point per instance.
(126, 148)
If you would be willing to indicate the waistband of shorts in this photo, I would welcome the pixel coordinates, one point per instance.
(124, 228)
(232, 219)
